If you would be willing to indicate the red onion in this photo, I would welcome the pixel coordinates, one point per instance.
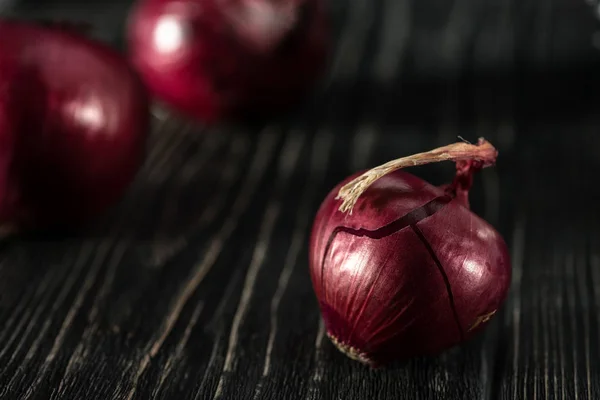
(73, 123)
(214, 59)
(402, 268)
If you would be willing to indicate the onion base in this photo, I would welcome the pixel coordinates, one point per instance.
(350, 351)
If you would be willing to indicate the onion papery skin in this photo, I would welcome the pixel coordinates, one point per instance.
(74, 118)
(205, 60)
(410, 272)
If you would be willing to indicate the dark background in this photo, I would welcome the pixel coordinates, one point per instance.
(197, 283)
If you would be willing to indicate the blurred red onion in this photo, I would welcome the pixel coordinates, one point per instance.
(73, 123)
(214, 59)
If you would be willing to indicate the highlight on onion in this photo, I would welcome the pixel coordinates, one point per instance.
(402, 268)
(222, 59)
(73, 122)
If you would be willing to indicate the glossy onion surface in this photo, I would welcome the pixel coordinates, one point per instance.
(73, 123)
(411, 272)
(214, 59)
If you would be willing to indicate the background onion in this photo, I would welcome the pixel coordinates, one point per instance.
(73, 122)
(214, 59)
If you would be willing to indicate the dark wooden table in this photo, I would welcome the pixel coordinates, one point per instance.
(196, 286)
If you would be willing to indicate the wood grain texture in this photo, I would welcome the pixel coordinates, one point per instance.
(196, 285)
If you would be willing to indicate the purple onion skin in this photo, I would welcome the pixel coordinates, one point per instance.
(411, 272)
(73, 124)
(197, 58)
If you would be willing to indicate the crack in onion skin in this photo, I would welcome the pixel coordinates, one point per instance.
(74, 119)
(380, 290)
(218, 59)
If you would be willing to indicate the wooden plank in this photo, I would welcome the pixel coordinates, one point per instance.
(197, 285)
